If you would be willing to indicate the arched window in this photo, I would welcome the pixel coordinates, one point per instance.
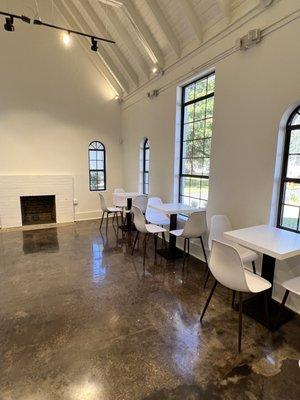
(97, 166)
(289, 199)
(146, 157)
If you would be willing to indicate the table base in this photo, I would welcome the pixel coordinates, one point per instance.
(126, 228)
(254, 308)
(170, 255)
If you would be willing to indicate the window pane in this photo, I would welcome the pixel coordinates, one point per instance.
(188, 131)
(206, 164)
(200, 88)
(189, 93)
(211, 84)
(93, 154)
(197, 165)
(290, 217)
(208, 127)
(100, 165)
(199, 129)
(198, 148)
(295, 142)
(93, 165)
(186, 166)
(296, 119)
(185, 186)
(195, 188)
(187, 148)
(189, 113)
(293, 169)
(206, 147)
(204, 189)
(200, 107)
(209, 107)
(292, 194)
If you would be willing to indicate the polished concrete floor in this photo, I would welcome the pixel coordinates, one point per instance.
(81, 319)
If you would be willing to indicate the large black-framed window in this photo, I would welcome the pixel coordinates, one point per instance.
(195, 145)
(289, 198)
(146, 160)
(97, 166)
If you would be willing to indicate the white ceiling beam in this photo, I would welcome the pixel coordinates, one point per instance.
(74, 14)
(97, 62)
(125, 37)
(92, 14)
(164, 26)
(225, 7)
(144, 34)
(191, 16)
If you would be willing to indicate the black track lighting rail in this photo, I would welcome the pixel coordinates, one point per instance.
(60, 28)
(22, 17)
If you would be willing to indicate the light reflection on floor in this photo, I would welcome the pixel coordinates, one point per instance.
(98, 269)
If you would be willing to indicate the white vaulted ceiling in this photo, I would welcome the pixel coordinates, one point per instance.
(148, 33)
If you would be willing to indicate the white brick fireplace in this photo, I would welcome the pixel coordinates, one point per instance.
(12, 187)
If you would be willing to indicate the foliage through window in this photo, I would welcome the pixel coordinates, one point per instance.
(97, 166)
(146, 160)
(196, 133)
(289, 199)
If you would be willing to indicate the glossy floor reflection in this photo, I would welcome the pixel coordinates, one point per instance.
(81, 319)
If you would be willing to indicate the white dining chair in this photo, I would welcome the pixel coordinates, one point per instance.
(291, 286)
(154, 216)
(141, 201)
(146, 229)
(220, 224)
(119, 201)
(108, 210)
(194, 228)
(228, 269)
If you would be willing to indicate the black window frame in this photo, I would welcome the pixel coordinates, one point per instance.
(284, 169)
(183, 105)
(97, 149)
(146, 150)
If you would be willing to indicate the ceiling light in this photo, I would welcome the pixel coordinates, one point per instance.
(66, 37)
(9, 24)
(155, 69)
(94, 46)
(113, 3)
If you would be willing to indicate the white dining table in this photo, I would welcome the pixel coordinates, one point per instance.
(275, 244)
(173, 209)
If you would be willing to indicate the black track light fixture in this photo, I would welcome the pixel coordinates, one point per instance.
(9, 20)
(9, 24)
(94, 46)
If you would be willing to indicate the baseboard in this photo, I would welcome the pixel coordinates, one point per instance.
(89, 215)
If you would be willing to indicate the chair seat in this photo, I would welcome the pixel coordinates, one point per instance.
(247, 255)
(151, 228)
(256, 283)
(176, 232)
(293, 285)
(113, 209)
(159, 221)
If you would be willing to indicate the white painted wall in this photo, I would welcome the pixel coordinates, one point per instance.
(53, 103)
(253, 90)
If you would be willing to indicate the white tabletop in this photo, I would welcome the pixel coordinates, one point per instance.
(175, 208)
(127, 195)
(266, 239)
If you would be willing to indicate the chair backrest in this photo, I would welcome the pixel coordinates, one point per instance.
(141, 202)
(227, 267)
(102, 203)
(119, 190)
(195, 226)
(151, 213)
(139, 219)
(218, 225)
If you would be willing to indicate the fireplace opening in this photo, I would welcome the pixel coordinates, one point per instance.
(38, 210)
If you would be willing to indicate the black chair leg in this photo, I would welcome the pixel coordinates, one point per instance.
(203, 249)
(266, 304)
(188, 248)
(208, 299)
(240, 321)
(145, 248)
(281, 308)
(107, 221)
(206, 277)
(102, 219)
(164, 240)
(253, 267)
(233, 298)
(184, 254)
(134, 243)
(155, 246)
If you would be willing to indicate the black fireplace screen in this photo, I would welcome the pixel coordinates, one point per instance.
(38, 210)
